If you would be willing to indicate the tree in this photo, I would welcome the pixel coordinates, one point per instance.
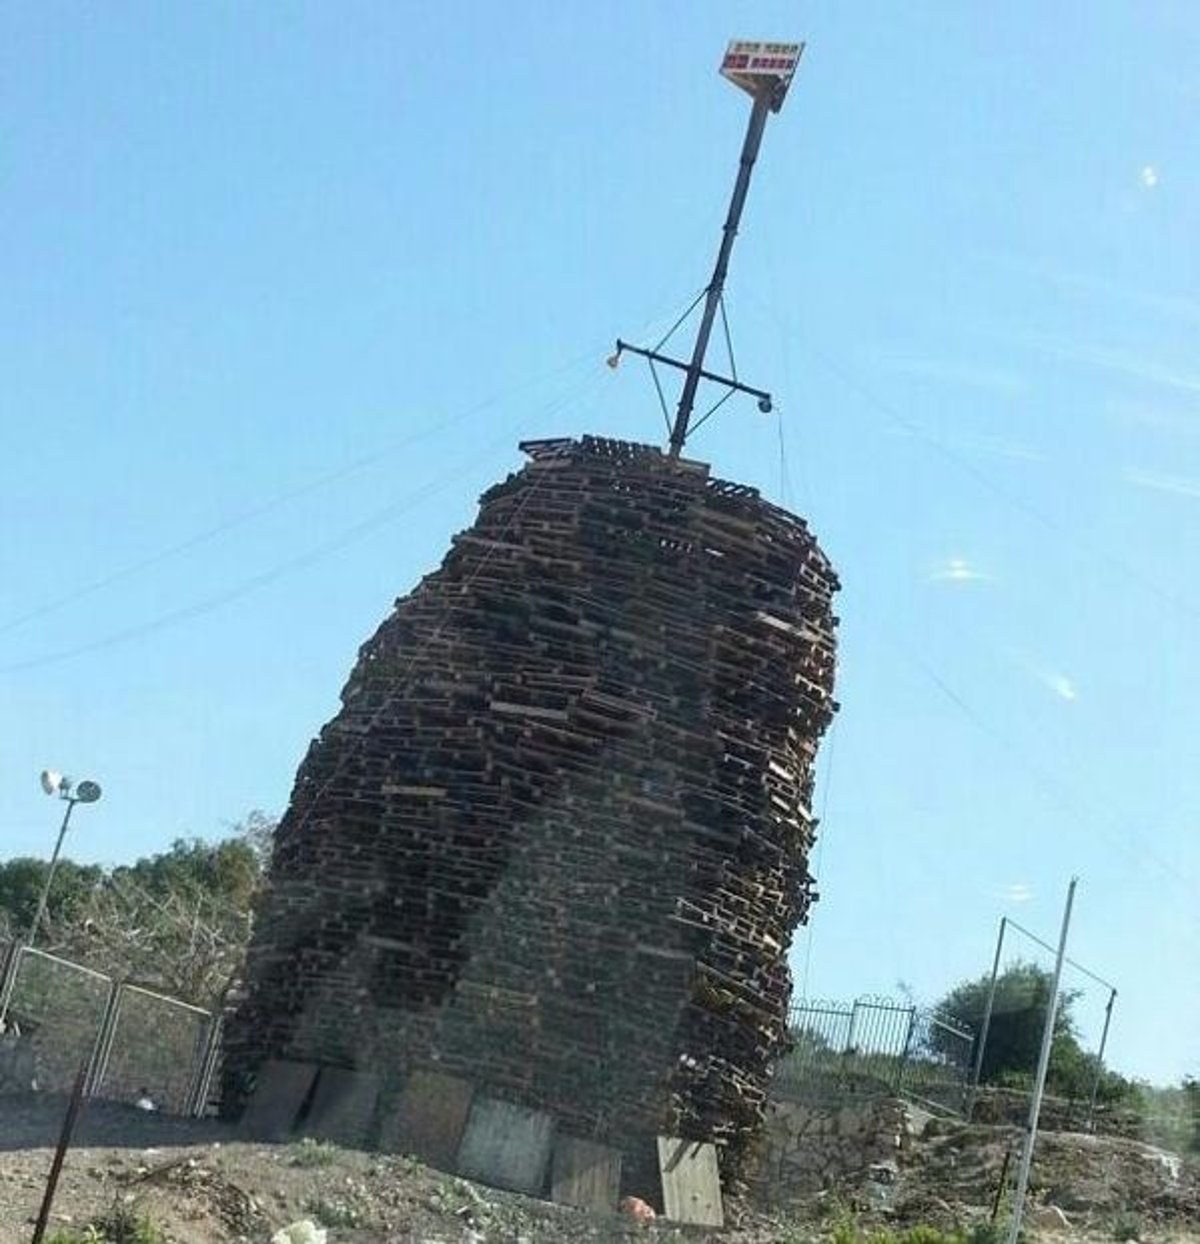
(1014, 1037)
(21, 882)
(176, 922)
(1191, 1097)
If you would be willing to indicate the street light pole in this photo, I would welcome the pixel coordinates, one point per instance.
(65, 789)
(45, 895)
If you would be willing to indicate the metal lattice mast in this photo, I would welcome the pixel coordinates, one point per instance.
(764, 71)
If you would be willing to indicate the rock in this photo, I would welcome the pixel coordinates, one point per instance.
(1070, 1198)
(303, 1231)
(884, 1173)
(1048, 1218)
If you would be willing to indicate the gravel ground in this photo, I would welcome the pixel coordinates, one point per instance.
(203, 1186)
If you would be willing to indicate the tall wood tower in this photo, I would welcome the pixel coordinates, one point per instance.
(552, 849)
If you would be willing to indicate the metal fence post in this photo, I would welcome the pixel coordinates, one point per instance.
(102, 1050)
(987, 1021)
(902, 1065)
(1108, 1010)
(848, 1058)
(8, 979)
(197, 1099)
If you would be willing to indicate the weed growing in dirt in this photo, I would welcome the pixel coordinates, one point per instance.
(310, 1153)
(846, 1230)
(331, 1212)
(793, 1235)
(1126, 1227)
(122, 1224)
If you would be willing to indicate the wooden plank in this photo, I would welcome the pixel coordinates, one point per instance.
(281, 1091)
(585, 1174)
(507, 1146)
(429, 1118)
(343, 1107)
(691, 1181)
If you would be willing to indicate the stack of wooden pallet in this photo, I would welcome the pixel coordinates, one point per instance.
(555, 841)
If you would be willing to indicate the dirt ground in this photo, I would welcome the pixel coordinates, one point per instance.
(202, 1185)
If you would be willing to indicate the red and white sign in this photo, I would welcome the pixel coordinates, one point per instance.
(761, 66)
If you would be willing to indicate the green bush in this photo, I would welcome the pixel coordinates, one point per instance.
(986, 1233)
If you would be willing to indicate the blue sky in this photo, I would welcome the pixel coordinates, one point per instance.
(284, 284)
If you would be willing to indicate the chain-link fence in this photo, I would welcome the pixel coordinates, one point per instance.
(140, 1047)
(154, 1050)
(875, 1045)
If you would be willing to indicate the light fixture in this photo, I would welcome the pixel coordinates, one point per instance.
(87, 792)
(65, 788)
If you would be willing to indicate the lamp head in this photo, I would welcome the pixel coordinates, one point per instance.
(87, 792)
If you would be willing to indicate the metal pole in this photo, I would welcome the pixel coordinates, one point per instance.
(853, 1024)
(9, 982)
(41, 907)
(103, 1045)
(1108, 1010)
(1000, 1185)
(687, 399)
(64, 1141)
(208, 1068)
(8, 979)
(908, 1036)
(1039, 1084)
(987, 1020)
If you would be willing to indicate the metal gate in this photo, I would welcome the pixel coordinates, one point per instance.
(876, 1045)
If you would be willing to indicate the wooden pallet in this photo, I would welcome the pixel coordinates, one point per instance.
(555, 841)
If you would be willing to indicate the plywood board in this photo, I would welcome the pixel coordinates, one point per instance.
(585, 1174)
(343, 1106)
(507, 1146)
(281, 1091)
(691, 1181)
(429, 1118)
